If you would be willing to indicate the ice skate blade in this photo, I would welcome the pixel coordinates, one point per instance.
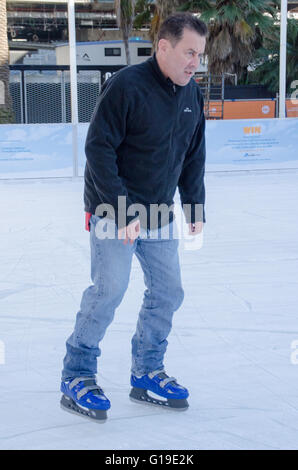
(97, 416)
(141, 397)
(163, 407)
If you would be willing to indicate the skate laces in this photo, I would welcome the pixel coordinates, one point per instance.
(89, 384)
(162, 375)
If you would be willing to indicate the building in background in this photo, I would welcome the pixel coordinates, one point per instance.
(35, 28)
(46, 21)
(40, 83)
(110, 53)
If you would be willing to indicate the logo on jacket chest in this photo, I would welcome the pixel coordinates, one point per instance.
(187, 110)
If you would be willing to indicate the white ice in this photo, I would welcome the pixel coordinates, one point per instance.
(232, 343)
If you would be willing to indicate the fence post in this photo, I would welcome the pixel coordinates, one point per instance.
(283, 58)
(24, 98)
(73, 83)
(63, 100)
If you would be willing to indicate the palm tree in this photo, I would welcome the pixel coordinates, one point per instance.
(236, 28)
(267, 59)
(143, 11)
(154, 14)
(164, 8)
(125, 16)
(6, 113)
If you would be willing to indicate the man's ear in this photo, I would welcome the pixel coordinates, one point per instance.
(163, 45)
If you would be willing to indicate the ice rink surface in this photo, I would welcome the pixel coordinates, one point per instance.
(232, 343)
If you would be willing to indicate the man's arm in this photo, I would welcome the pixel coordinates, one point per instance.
(191, 182)
(106, 132)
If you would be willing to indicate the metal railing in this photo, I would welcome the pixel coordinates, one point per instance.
(212, 87)
(41, 94)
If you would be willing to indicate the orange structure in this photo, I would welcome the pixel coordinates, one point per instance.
(249, 109)
(241, 109)
(292, 108)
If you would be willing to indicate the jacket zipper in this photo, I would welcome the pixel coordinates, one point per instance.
(170, 166)
(173, 128)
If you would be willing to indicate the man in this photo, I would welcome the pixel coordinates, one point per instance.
(145, 139)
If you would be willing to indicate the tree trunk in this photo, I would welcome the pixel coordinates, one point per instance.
(125, 15)
(126, 47)
(6, 112)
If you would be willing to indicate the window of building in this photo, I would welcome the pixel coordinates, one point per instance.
(144, 51)
(112, 51)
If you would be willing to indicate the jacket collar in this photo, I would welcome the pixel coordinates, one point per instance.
(164, 81)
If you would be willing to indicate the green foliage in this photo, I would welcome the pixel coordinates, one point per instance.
(6, 116)
(153, 14)
(236, 29)
(267, 59)
(241, 32)
(143, 13)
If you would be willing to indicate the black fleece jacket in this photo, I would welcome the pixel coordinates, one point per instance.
(146, 137)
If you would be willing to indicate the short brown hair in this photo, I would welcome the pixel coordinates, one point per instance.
(173, 26)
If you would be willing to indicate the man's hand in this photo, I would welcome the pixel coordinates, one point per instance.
(195, 228)
(129, 233)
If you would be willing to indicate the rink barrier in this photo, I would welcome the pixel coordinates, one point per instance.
(46, 150)
(2, 353)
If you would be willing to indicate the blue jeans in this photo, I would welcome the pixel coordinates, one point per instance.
(110, 271)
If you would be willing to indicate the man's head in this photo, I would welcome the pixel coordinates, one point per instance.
(181, 42)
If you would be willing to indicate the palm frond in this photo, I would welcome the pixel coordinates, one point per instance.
(267, 57)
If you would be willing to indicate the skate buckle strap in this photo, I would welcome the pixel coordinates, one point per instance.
(165, 380)
(86, 389)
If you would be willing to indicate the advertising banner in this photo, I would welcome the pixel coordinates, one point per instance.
(251, 144)
(241, 144)
(45, 150)
(82, 133)
(35, 150)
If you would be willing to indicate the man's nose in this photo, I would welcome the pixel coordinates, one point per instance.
(195, 63)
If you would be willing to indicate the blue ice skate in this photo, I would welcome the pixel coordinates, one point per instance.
(84, 397)
(159, 383)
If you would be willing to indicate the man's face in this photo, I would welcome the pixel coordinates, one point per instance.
(181, 61)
